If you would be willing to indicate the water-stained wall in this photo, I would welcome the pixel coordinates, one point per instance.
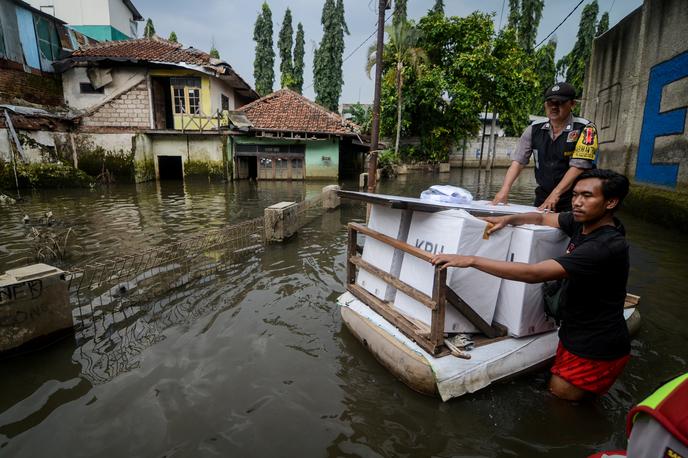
(637, 94)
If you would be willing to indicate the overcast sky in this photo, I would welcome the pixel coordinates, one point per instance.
(229, 23)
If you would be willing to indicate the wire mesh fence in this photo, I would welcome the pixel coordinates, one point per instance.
(123, 305)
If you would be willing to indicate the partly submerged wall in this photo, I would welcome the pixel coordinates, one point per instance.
(637, 94)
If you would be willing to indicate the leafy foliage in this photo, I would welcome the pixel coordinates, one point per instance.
(328, 58)
(361, 116)
(603, 25)
(575, 62)
(284, 44)
(386, 161)
(264, 61)
(299, 52)
(401, 51)
(172, 37)
(214, 52)
(400, 12)
(545, 69)
(149, 29)
(467, 67)
(437, 8)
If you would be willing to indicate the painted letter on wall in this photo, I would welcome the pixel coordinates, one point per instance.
(656, 124)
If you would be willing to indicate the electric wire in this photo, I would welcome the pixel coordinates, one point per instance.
(557, 27)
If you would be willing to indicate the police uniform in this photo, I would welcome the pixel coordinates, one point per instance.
(576, 146)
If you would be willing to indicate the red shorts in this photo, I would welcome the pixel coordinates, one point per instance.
(594, 375)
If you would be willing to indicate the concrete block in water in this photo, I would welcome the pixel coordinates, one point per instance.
(34, 302)
(330, 198)
(281, 221)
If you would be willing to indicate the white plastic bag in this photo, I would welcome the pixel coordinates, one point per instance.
(447, 194)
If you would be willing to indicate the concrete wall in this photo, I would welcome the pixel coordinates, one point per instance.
(469, 152)
(322, 159)
(637, 94)
(217, 89)
(121, 17)
(78, 12)
(122, 79)
(205, 149)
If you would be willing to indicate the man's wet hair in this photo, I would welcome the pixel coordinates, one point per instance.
(614, 185)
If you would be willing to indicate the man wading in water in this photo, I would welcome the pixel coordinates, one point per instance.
(594, 343)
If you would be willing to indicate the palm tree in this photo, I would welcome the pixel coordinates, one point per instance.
(400, 51)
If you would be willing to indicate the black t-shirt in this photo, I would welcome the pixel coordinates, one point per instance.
(593, 324)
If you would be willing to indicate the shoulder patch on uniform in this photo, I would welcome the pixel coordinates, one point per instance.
(586, 148)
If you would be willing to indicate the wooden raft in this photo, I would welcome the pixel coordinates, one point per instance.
(431, 338)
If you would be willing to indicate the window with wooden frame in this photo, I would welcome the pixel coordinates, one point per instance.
(224, 102)
(48, 40)
(186, 95)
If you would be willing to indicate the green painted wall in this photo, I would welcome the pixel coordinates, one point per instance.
(316, 150)
(322, 159)
(100, 32)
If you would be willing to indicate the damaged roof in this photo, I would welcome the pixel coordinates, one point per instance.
(287, 111)
(157, 50)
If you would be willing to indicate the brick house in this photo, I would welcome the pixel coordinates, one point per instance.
(293, 138)
(167, 104)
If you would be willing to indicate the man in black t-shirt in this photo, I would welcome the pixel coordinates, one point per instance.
(594, 344)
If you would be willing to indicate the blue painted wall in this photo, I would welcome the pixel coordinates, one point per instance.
(656, 124)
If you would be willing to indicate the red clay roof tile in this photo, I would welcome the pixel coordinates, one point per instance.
(285, 110)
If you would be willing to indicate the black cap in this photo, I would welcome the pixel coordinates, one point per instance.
(561, 91)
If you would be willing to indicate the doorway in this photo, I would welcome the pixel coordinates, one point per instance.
(170, 168)
(163, 117)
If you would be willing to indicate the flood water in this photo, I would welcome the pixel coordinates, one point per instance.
(254, 360)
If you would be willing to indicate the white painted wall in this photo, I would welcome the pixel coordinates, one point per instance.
(217, 88)
(121, 78)
(120, 18)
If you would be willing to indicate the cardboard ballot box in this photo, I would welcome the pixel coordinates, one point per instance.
(454, 232)
(520, 306)
(393, 223)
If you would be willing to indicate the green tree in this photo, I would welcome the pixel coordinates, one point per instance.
(284, 44)
(172, 37)
(575, 62)
(264, 60)
(214, 53)
(546, 71)
(514, 14)
(402, 51)
(437, 8)
(399, 12)
(299, 53)
(524, 18)
(149, 29)
(603, 25)
(328, 58)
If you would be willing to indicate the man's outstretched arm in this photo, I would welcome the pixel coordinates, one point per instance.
(530, 273)
(541, 219)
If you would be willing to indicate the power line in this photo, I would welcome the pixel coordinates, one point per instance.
(356, 49)
(555, 29)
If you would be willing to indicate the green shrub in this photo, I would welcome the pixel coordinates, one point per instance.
(386, 161)
(107, 166)
(43, 175)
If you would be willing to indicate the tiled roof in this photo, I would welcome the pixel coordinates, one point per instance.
(160, 51)
(147, 49)
(285, 110)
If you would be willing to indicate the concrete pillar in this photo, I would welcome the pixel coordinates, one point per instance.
(330, 198)
(34, 302)
(281, 221)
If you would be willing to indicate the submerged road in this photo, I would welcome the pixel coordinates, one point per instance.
(253, 359)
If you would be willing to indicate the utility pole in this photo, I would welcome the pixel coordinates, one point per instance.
(372, 160)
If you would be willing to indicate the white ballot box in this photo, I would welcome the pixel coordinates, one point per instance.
(520, 306)
(393, 223)
(452, 232)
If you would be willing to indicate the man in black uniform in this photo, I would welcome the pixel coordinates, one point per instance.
(562, 147)
(594, 344)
